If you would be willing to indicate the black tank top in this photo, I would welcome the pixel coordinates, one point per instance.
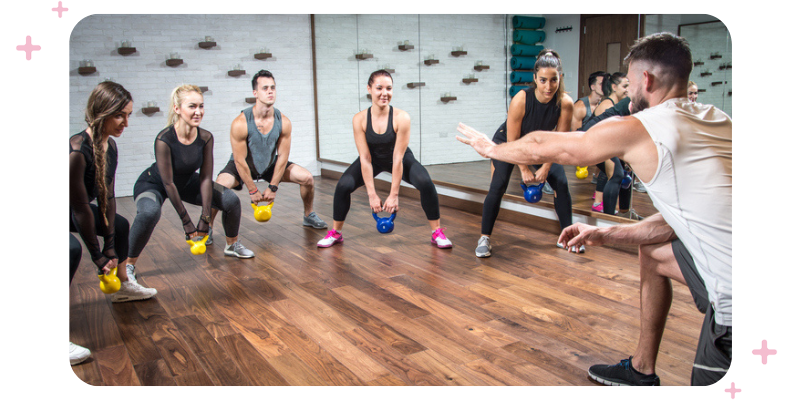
(381, 146)
(538, 117)
(186, 158)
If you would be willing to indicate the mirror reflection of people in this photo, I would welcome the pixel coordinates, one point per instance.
(682, 151)
(545, 106)
(381, 134)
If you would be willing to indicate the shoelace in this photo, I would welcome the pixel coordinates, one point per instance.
(439, 233)
(331, 234)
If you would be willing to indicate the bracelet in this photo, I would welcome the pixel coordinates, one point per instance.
(254, 191)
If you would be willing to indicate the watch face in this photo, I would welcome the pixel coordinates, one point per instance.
(274, 188)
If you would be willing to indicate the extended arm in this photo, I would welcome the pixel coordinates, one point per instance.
(206, 183)
(284, 146)
(164, 163)
(651, 230)
(239, 148)
(81, 212)
(360, 136)
(400, 145)
(516, 111)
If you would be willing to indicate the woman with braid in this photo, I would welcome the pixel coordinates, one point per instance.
(92, 166)
(181, 149)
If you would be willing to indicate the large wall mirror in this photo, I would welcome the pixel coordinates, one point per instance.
(458, 68)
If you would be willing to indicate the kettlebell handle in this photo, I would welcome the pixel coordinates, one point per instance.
(391, 217)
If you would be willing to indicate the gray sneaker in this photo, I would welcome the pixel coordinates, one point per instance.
(314, 221)
(631, 214)
(547, 189)
(639, 187)
(210, 239)
(484, 248)
(130, 291)
(238, 250)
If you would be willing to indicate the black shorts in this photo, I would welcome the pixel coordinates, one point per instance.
(713, 357)
(230, 168)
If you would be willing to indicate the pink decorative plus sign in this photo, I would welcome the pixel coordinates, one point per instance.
(60, 9)
(764, 352)
(733, 390)
(28, 48)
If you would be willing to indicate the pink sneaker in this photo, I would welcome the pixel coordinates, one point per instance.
(331, 239)
(440, 240)
(597, 207)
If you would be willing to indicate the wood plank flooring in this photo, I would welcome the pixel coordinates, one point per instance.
(377, 310)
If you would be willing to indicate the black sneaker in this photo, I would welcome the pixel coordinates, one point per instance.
(622, 374)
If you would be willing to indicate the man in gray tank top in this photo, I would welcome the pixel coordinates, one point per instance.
(261, 139)
(584, 107)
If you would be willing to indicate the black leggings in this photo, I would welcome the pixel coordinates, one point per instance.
(557, 179)
(150, 201)
(413, 173)
(612, 188)
(121, 229)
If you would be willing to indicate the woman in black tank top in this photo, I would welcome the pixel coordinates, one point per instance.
(381, 135)
(615, 88)
(545, 106)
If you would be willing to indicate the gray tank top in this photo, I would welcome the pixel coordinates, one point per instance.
(588, 109)
(261, 148)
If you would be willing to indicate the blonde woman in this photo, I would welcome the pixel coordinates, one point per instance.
(181, 149)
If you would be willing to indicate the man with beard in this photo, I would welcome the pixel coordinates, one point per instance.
(682, 151)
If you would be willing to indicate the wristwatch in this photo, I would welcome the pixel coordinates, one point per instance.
(274, 188)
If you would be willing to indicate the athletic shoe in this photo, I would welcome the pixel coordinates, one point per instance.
(78, 354)
(331, 239)
(594, 179)
(130, 291)
(484, 248)
(210, 240)
(639, 187)
(440, 240)
(314, 221)
(238, 250)
(547, 189)
(131, 272)
(597, 207)
(581, 249)
(622, 374)
(631, 214)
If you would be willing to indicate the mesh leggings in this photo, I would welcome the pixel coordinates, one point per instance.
(557, 179)
(612, 188)
(148, 212)
(74, 255)
(413, 173)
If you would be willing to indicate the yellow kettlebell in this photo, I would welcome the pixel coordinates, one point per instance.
(109, 283)
(198, 246)
(262, 213)
(582, 172)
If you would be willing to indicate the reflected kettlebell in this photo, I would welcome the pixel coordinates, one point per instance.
(262, 213)
(385, 225)
(198, 247)
(532, 193)
(582, 172)
(109, 283)
(627, 179)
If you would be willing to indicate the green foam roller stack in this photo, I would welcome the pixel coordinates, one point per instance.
(520, 22)
(513, 90)
(522, 62)
(528, 37)
(525, 50)
(521, 76)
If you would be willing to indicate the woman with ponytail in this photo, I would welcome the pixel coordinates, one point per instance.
(92, 166)
(181, 149)
(543, 107)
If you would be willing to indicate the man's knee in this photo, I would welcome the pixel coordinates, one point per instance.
(227, 180)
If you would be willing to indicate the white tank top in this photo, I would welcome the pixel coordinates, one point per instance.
(692, 188)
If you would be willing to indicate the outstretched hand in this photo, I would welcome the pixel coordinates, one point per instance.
(578, 234)
(479, 141)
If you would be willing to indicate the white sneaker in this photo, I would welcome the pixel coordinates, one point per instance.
(131, 272)
(330, 239)
(238, 250)
(582, 249)
(78, 354)
(440, 240)
(130, 291)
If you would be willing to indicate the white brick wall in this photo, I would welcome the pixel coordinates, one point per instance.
(146, 76)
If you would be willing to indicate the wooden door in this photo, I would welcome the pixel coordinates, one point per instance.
(605, 42)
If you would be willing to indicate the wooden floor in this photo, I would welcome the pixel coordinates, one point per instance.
(477, 175)
(378, 310)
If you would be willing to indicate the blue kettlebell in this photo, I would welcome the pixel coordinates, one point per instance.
(385, 225)
(532, 193)
(627, 180)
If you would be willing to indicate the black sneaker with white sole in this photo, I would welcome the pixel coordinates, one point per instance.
(622, 374)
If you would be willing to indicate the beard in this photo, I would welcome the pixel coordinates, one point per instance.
(638, 104)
